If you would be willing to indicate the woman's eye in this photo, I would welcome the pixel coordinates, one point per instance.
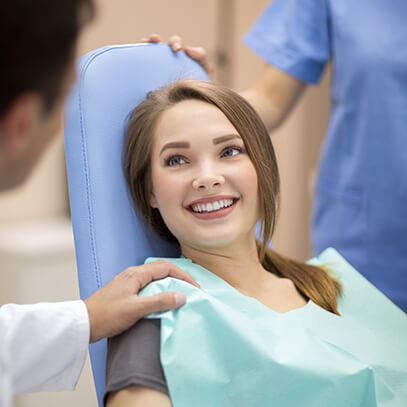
(174, 161)
(231, 151)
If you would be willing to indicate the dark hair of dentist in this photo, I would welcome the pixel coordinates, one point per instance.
(38, 43)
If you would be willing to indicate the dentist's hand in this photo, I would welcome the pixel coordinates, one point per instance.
(196, 53)
(117, 306)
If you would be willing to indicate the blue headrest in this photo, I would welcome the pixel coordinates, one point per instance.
(109, 236)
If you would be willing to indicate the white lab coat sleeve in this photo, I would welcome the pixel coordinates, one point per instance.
(44, 346)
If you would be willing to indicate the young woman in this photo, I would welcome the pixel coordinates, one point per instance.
(202, 171)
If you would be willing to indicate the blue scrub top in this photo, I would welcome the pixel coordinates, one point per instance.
(361, 194)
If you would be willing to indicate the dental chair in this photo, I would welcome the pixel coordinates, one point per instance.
(109, 236)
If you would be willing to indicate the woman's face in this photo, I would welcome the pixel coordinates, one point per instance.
(203, 182)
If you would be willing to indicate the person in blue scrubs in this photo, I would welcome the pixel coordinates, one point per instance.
(361, 193)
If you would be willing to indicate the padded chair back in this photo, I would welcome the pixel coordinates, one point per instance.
(109, 236)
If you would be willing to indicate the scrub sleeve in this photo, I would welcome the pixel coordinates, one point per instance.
(133, 358)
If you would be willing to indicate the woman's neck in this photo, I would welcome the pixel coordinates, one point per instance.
(238, 265)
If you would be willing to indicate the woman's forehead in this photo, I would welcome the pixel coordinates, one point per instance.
(193, 119)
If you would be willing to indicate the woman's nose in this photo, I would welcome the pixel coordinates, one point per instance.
(208, 183)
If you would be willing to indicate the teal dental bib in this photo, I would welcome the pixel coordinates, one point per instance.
(226, 349)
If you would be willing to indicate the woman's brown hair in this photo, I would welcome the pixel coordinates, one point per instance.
(312, 282)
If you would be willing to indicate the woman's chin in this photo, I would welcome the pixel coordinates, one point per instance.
(205, 244)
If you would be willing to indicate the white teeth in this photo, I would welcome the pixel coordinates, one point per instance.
(212, 206)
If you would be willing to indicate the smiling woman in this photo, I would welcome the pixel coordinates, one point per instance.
(202, 170)
(191, 145)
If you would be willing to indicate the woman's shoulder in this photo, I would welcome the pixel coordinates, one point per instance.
(200, 274)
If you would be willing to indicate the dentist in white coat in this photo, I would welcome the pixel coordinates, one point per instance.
(43, 346)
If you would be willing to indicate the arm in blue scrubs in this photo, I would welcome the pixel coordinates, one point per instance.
(361, 191)
(298, 46)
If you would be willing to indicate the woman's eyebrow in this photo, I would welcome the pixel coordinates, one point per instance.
(222, 139)
(186, 144)
(175, 144)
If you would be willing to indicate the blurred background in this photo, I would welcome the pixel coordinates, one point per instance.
(36, 244)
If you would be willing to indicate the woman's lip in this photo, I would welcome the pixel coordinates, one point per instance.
(210, 199)
(220, 213)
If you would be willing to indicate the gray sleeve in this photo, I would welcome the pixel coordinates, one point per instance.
(133, 358)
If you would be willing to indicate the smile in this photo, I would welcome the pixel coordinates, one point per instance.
(212, 206)
(213, 209)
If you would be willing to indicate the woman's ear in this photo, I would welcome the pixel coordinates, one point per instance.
(153, 200)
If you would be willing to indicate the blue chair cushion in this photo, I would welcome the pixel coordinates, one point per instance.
(109, 236)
